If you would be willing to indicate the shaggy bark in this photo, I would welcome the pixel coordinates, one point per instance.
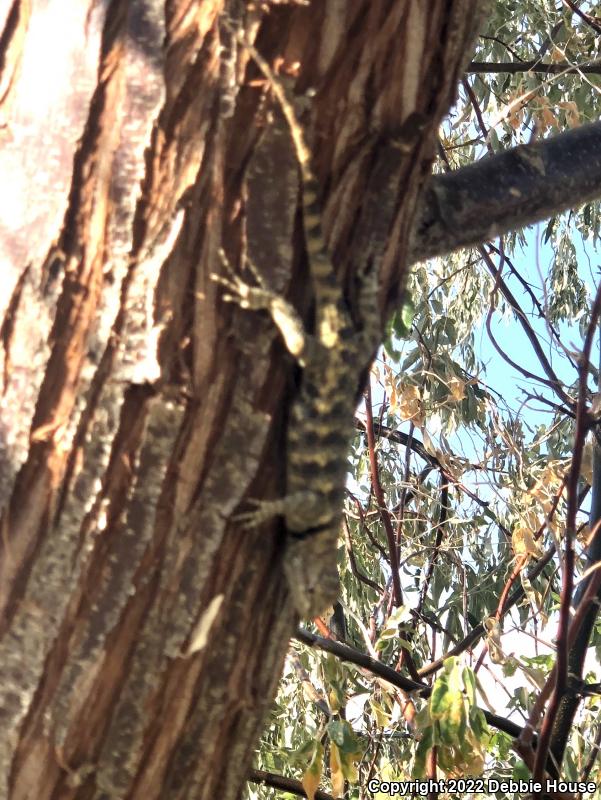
(142, 634)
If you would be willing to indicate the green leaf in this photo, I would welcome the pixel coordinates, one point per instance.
(421, 754)
(342, 734)
(403, 318)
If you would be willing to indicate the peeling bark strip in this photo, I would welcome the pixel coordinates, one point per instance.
(142, 637)
(14, 28)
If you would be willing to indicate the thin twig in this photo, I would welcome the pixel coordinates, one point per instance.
(479, 631)
(552, 380)
(284, 784)
(365, 526)
(586, 18)
(564, 628)
(477, 110)
(361, 576)
(442, 518)
(380, 499)
(592, 757)
(533, 298)
(513, 67)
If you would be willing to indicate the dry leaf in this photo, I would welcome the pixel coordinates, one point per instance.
(457, 389)
(523, 542)
(546, 118)
(336, 771)
(312, 775)
(586, 468)
(410, 406)
(572, 113)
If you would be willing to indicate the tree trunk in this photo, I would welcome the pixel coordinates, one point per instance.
(142, 632)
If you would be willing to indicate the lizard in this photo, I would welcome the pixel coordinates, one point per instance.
(321, 423)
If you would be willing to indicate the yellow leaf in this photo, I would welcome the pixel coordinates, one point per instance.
(349, 765)
(523, 542)
(428, 443)
(474, 766)
(553, 475)
(311, 783)
(450, 464)
(586, 469)
(518, 100)
(493, 639)
(394, 398)
(515, 111)
(336, 771)
(457, 389)
(382, 718)
(515, 116)
(410, 404)
(312, 775)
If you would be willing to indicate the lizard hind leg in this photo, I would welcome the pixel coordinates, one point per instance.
(293, 507)
(263, 511)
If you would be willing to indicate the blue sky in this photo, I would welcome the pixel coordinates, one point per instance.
(503, 377)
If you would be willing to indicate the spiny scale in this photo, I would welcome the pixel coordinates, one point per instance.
(321, 423)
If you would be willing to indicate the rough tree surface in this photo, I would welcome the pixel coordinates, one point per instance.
(142, 635)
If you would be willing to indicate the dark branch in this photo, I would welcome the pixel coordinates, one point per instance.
(552, 380)
(514, 67)
(440, 530)
(284, 784)
(381, 500)
(346, 653)
(577, 653)
(583, 424)
(507, 191)
(592, 22)
(410, 441)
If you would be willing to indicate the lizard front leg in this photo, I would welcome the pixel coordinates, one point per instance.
(257, 298)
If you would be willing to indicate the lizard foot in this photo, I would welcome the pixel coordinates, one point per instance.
(264, 510)
(240, 292)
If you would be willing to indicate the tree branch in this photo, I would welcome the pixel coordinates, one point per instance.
(284, 784)
(512, 189)
(583, 424)
(586, 18)
(513, 67)
(479, 631)
(552, 380)
(381, 500)
(577, 653)
(440, 528)
(353, 656)
(410, 441)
